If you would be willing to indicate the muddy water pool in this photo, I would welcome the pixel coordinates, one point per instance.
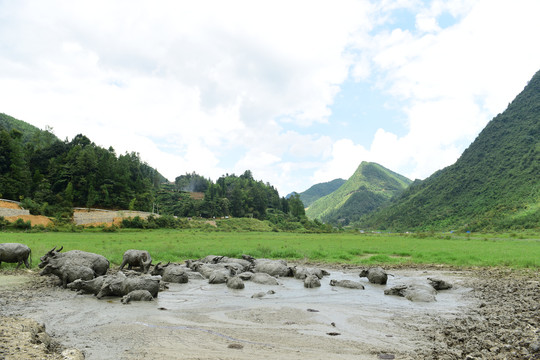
(204, 321)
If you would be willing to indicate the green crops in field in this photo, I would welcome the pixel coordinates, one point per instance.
(177, 245)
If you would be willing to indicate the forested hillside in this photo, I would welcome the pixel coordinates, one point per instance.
(238, 196)
(317, 191)
(51, 176)
(367, 189)
(495, 184)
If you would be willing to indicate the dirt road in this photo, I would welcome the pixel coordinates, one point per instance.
(488, 314)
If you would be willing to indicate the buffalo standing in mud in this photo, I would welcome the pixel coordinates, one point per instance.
(375, 275)
(15, 253)
(137, 258)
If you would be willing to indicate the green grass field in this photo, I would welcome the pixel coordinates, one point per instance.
(509, 250)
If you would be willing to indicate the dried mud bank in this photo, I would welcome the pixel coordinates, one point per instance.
(497, 318)
(504, 325)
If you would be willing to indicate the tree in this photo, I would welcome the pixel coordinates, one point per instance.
(296, 206)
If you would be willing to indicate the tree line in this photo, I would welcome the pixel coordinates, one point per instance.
(230, 195)
(50, 176)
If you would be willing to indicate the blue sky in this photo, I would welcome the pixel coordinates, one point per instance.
(297, 92)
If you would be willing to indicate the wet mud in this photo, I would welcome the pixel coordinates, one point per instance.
(488, 314)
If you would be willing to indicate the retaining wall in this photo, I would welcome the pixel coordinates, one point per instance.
(105, 216)
(5, 212)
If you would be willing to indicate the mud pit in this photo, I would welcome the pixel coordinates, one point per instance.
(202, 321)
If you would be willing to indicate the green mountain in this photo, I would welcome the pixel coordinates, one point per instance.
(29, 132)
(366, 190)
(494, 185)
(317, 191)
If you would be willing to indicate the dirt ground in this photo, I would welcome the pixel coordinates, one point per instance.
(9, 205)
(34, 219)
(489, 314)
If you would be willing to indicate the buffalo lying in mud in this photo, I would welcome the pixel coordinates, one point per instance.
(215, 271)
(136, 258)
(121, 285)
(171, 273)
(272, 267)
(302, 272)
(98, 263)
(347, 284)
(68, 270)
(137, 295)
(413, 292)
(263, 278)
(240, 265)
(439, 284)
(235, 282)
(312, 281)
(15, 253)
(87, 286)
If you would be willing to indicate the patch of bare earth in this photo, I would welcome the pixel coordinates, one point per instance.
(8, 205)
(505, 325)
(34, 219)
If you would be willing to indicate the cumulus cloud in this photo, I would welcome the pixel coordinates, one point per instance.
(452, 81)
(217, 87)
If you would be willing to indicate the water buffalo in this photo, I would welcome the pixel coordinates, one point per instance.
(137, 258)
(439, 284)
(121, 285)
(263, 278)
(15, 253)
(375, 275)
(262, 294)
(137, 295)
(87, 286)
(96, 262)
(171, 273)
(207, 270)
(272, 267)
(347, 284)
(302, 272)
(220, 276)
(413, 292)
(235, 282)
(240, 265)
(68, 271)
(312, 281)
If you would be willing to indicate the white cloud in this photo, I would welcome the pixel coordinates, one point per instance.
(454, 80)
(194, 85)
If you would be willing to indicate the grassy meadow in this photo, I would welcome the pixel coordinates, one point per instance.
(509, 250)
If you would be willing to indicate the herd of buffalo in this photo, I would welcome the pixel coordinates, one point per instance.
(87, 273)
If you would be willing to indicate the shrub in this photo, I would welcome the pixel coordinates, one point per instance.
(20, 224)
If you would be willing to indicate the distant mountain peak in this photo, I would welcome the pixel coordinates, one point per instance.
(371, 186)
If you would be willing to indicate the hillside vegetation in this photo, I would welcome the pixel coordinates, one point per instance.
(317, 191)
(495, 184)
(50, 177)
(367, 189)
